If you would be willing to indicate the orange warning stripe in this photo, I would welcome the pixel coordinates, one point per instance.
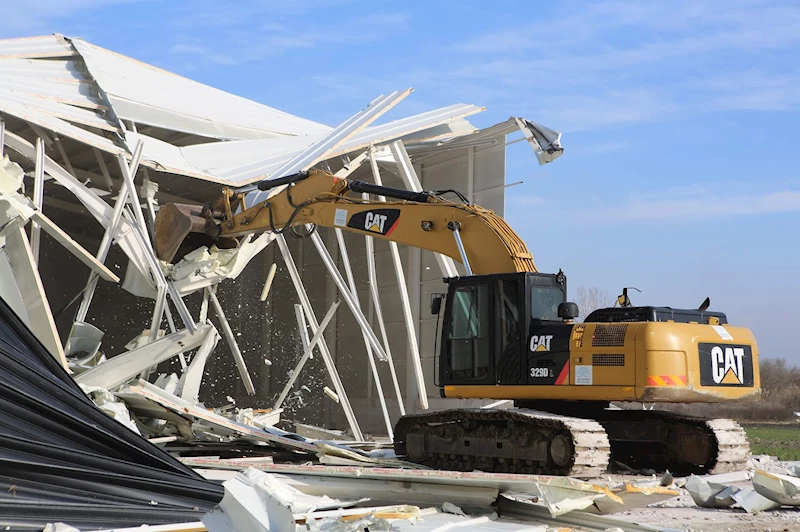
(666, 380)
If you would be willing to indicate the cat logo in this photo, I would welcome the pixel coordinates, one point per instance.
(726, 365)
(541, 343)
(380, 221)
(374, 222)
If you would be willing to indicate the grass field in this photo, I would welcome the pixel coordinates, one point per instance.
(781, 440)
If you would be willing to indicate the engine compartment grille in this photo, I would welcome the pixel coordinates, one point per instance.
(608, 359)
(609, 335)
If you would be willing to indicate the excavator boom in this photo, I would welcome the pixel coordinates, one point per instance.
(423, 220)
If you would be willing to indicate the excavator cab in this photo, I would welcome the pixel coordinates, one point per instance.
(491, 323)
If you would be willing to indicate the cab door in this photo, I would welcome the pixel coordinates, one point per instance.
(548, 338)
(468, 335)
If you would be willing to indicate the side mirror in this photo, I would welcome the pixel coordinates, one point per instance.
(568, 311)
(436, 303)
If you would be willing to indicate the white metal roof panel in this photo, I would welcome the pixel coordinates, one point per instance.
(69, 92)
(70, 113)
(41, 46)
(146, 94)
(62, 127)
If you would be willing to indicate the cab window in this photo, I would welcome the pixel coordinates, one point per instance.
(544, 303)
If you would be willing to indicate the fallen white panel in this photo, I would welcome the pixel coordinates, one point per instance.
(705, 493)
(125, 366)
(753, 502)
(782, 489)
(509, 507)
(246, 510)
(187, 409)
(391, 491)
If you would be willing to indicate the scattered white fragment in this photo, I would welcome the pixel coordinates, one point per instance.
(330, 393)
(450, 508)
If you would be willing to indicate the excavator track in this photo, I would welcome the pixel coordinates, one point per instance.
(661, 440)
(522, 440)
(504, 441)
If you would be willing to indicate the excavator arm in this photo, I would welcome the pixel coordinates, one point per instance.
(420, 219)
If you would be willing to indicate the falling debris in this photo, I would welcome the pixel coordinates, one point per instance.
(330, 393)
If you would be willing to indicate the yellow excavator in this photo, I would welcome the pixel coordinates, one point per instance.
(509, 332)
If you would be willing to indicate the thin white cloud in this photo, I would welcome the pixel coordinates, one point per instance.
(705, 205)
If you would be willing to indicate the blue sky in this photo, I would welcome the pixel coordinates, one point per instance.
(680, 172)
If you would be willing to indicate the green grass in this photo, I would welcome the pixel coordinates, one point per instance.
(782, 441)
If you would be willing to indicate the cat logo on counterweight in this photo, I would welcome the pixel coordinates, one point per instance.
(726, 365)
(380, 221)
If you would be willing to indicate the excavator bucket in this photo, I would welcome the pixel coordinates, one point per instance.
(175, 223)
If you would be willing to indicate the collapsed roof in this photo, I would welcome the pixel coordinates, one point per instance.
(110, 102)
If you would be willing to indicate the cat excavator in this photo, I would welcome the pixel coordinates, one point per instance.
(509, 333)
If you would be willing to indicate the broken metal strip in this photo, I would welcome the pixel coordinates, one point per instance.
(125, 366)
(399, 151)
(60, 148)
(237, 353)
(74, 247)
(317, 151)
(352, 165)
(412, 182)
(308, 348)
(26, 275)
(346, 295)
(103, 169)
(203, 307)
(323, 346)
(370, 357)
(373, 284)
(108, 236)
(268, 282)
(193, 375)
(38, 197)
(133, 197)
(2, 137)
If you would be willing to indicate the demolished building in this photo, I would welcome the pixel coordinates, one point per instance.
(88, 126)
(104, 347)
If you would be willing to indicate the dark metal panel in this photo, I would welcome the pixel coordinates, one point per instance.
(63, 459)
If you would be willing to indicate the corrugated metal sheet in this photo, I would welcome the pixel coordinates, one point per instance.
(63, 459)
(43, 46)
(148, 95)
(53, 123)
